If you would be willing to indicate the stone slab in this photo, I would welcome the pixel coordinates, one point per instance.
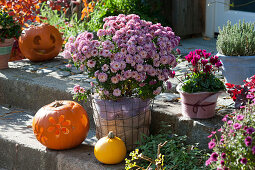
(20, 150)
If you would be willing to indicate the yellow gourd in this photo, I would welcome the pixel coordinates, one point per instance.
(110, 149)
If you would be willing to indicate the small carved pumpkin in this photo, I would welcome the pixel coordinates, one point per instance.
(61, 125)
(40, 43)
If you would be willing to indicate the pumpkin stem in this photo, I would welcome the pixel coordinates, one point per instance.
(111, 135)
(57, 104)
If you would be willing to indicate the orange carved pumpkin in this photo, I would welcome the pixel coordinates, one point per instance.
(40, 43)
(61, 125)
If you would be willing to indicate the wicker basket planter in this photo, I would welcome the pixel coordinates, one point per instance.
(128, 118)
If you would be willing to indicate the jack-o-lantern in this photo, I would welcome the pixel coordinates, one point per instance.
(40, 43)
(61, 125)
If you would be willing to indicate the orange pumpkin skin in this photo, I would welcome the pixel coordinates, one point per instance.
(61, 125)
(41, 43)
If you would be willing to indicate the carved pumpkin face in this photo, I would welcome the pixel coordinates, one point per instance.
(40, 43)
(61, 125)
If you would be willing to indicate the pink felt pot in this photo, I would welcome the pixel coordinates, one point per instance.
(199, 105)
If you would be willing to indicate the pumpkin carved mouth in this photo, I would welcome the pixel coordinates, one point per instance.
(44, 51)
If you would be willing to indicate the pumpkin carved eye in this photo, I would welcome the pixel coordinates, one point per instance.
(52, 38)
(36, 40)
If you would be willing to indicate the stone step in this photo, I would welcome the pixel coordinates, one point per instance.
(24, 86)
(20, 149)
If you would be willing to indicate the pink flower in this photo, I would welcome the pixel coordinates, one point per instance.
(115, 80)
(67, 55)
(208, 162)
(139, 67)
(248, 141)
(68, 66)
(239, 117)
(223, 155)
(91, 63)
(243, 161)
(105, 67)
(76, 88)
(253, 150)
(102, 77)
(237, 126)
(157, 91)
(250, 130)
(214, 156)
(106, 92)
(82, 90)
(116, 92)
(100, 33)
(211, 144)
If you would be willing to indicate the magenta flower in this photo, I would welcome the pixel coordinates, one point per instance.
(76, 88)
(248, 141)
(214, 156)
(253, 150)
(222, 162)
(211, 144)
(239, 117)
(204, 62)
(223, 155)
(208, 162)
(250, 130)
(243, 161)
(237, 126)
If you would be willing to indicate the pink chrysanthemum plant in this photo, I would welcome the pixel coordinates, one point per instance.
(131, 57)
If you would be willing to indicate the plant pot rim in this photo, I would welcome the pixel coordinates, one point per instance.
(178, 88)
(96, 97)
(240, 56)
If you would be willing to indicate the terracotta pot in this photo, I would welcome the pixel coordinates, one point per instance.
(200, 105)
(5, 52)
(128, 118)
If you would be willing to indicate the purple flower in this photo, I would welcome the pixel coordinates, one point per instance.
(239, 117)
(223, 155)
(248, 141)
(250, 130)
(253, 150)
(237, 126)
(214, 156)
(211, 144)
(222, 162)
(243, 161)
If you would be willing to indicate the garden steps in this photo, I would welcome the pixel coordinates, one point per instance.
(21, 150)
(30, 86)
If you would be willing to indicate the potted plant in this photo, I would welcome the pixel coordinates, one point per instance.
(9, 29)
(130, 61)
(236, 49)
(200, 89)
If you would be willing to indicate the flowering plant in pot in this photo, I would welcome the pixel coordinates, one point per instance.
(200, 88)
(9, 29)
(236, 147)
(242, 94)
(130, 61)
(236, 49)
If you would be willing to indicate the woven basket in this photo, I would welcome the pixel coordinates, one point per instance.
(128, 118)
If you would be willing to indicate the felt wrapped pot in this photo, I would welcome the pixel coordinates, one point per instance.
(5, 52)
(200, 105)
(128, 118)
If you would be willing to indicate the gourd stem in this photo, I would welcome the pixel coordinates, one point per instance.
(111, 135)
(57, 104)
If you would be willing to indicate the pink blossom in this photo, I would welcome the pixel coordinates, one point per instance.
(82, 90)
(116, 92)
(115, 80)
(237, 126)
(105, 67)
(211, 144)
(76, 88)
(68, 66)
(139, 67)
(100, 33)
(91, 63)
(67, 55)
(102, 77)
(106, 92)
(239, 117)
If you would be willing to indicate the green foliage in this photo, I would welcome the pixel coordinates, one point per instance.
(67, 26)
(143, 8)
(177, 155)
(202, 82)
(237, 39)
(9, 28)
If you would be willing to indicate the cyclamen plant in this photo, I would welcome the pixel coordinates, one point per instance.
(242, 94)
(132, 57)
(236, 147)
(202, 78)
